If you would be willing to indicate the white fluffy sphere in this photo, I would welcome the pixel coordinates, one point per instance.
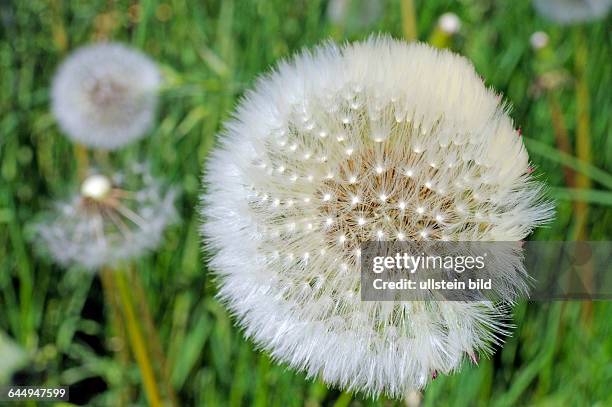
(449, 23)
(104, 95)
(341, 145)
(539, 40)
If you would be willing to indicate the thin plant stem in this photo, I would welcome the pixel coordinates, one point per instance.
(550, 153)
(110, 293)
(137, 340)
(583, 132)
(561, 136)
(152, 334)
(590, 196)
(101, 158)
(409, 23)
(82, 160)
(344, 400)
(583, 152)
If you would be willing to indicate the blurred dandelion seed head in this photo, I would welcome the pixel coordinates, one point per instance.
(572, 11)
(109, 220)
(355, 13)
(377, 140)
(449, 23)
(96, 187)
(105, 95)
(539, 40)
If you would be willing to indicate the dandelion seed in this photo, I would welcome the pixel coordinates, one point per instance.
(107, 222)
(104, 95)
(324, 332)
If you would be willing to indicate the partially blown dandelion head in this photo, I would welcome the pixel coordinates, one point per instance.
(105, 95)
(378, 140)
(111, 219)
(572, 11)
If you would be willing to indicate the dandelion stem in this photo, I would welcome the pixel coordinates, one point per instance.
(561, 136)
(439, 38)
(110, 293)
(137, 340)
(152, 334)
(82, 159)
(344, 400)
(409, 23)
(583, 130)
(583, 151)
(101, 158)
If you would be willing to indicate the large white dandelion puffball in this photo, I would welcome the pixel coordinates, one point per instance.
(104, 95)
(377, 140)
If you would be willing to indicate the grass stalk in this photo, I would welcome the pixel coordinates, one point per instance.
(137, 340)
(561, 136)
(583, 152)
(587, 169)
(153, 335)
(583, 132)
(409, 24)
(110, 294)
(588, 196)
(81, 156)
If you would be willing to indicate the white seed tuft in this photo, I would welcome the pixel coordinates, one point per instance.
(108, 222)
(539, 40)
(104, 95)
(449, 23)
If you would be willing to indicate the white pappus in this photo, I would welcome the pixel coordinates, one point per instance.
(104, 95)
(375, 140)
(111, 219)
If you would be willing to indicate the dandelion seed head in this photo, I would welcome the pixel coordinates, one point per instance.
(538, 40)
(448, 115)
(449, 23)
(104, 95)
(572, 11)
(106, 222)
(96, 187)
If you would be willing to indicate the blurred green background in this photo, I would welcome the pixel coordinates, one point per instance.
(210, 52)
